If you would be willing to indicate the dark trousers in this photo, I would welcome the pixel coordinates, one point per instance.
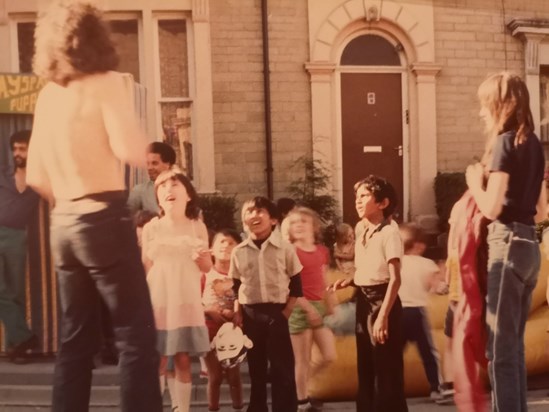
(96, 254)
(416, 329)
(380, 367)
(268, 329)
(13, 252)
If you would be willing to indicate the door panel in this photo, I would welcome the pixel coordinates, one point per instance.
(371, 118)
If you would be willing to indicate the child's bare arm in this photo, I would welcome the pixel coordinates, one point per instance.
(338, 263)
(213, 311)
(381, 325)
(145, 244)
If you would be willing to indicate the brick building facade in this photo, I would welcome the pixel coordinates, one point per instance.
(201, 62)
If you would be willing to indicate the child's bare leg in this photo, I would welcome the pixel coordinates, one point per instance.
(235, 386)
(301, 345)
(324, 339)
(215, 377)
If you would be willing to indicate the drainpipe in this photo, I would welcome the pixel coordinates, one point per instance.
(267, 96)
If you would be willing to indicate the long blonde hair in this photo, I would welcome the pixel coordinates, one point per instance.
(302, 210)
(506, 97)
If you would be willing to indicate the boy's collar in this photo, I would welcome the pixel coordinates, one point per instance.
(371, 229)
(274, 238)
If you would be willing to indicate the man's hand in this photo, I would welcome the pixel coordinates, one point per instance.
(237, 317)
(381, 329)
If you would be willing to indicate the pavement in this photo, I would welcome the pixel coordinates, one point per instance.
(27, 388)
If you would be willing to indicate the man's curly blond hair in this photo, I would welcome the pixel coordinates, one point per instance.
(71, 41)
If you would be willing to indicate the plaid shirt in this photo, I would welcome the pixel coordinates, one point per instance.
(265, 273)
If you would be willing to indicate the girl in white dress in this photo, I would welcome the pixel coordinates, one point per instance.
(175, 254)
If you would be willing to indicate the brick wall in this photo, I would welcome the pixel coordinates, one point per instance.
(239, 122)
(472, 42)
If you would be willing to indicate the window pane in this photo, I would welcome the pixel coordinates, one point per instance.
(370, 50)
(172, 44)
(124, 35)
(176, 125)
(25, 45)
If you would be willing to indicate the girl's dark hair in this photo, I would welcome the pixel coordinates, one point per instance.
(72, 40)
(193, 210)
(381, 189)
(142, 217)
(227, 232)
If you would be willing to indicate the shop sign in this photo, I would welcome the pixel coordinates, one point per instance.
(18, 92)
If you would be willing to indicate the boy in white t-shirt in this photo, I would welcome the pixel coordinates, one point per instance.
(419, 275)
(378, 250)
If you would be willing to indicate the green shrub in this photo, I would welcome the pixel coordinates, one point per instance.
(218, 210)
(449, 187)
(311, 189)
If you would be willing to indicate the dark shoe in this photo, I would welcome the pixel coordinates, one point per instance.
(18, 353)
(446, 394)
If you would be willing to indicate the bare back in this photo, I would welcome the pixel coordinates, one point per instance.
(82, 134)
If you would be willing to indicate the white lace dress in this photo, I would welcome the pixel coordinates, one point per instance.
(174, 284)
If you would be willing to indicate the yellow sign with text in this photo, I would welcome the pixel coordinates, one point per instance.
(18, 92)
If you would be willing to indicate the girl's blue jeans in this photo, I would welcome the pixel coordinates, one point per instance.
(513, 266)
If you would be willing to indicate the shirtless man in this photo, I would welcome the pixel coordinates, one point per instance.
(84, 127)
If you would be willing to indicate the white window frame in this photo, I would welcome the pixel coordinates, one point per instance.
(14, 20)
(116, 15)
(159, 99)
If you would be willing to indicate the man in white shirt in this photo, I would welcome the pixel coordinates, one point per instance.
(160, 157)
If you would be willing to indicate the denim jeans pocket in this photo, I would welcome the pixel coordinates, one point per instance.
(499, 238)
(524, 259)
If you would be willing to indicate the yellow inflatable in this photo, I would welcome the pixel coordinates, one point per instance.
(338, 382)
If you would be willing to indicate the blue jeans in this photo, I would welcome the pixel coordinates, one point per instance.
(513, 266)
(96, 254)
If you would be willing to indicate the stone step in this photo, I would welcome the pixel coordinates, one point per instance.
(30, 386)
(39, 371)
(13, 396)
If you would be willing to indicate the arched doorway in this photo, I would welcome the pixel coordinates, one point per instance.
(373, 116)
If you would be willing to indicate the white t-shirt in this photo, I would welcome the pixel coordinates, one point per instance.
(218, 291)
(416, 273)
(374, 247)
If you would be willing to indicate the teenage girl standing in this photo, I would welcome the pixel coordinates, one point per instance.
(514, 199)
(175, 252)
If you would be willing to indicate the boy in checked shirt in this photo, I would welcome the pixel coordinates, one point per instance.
(266, 274)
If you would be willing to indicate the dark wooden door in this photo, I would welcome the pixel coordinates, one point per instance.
(371, 106)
